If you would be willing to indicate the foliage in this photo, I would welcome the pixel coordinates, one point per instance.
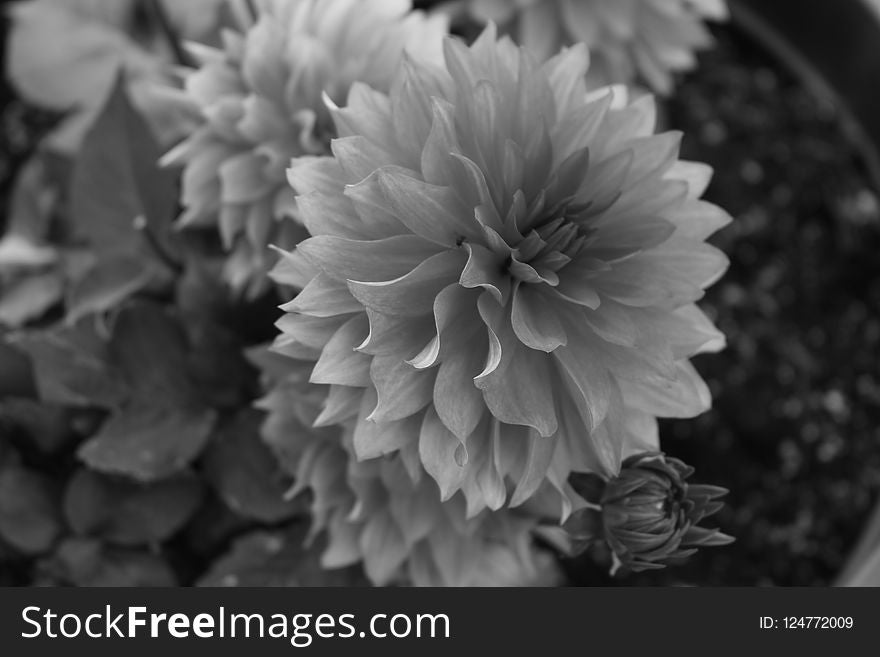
(135, 432)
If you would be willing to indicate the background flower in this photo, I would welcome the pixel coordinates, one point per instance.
(501, 280)
(387, 512)
(628, 39)
(261, 99)
(66, 55)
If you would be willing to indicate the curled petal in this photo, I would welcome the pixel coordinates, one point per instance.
(374, 260)
(412, 294)
(535, 321)
(437, 447)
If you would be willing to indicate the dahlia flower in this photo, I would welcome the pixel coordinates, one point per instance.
(648, 515)
(385, 512)
(261, 100)
(628, 39)
(501, 280)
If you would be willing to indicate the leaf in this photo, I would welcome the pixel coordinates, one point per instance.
(110, 282)
(117, 180)
(8, 455)
(44, 426)
(123, 204)
(245, 473)
(150, 348)
(212, 527)
(149, 441)
(86, 562)
(201, 291)
(128, 513)
(32, 200)
(72, 367)
(29, 515)
(16, 375)
(160, 422)
(29, 297)
(217, 365)
(18, 252)
(276, 559)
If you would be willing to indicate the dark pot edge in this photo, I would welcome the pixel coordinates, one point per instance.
(834, 49)
(844, 72)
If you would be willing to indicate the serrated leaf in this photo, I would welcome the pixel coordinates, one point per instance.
(29, 514)
(72, 367)
(127, 513)
(148, 441)
(245, 474)
(276, 559)
(87, 562)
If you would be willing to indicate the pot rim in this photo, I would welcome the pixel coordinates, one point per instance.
(841, 71)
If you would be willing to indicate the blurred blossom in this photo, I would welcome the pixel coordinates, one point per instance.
(260, 97)
(387, 513)
(629, 40)
(648, 515)
(66, 54)
(500, 288)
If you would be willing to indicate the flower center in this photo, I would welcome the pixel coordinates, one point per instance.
(546, 250)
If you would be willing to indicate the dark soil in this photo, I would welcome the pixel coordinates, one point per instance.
(795, 432)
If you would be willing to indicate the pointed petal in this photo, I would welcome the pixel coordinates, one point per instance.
(339, 363)
(540, 454)
(437, 447)
(686, 397)
(402, 389)
(324, 297)
(520, 390)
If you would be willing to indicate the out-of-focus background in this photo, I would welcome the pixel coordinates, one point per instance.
(778, 111)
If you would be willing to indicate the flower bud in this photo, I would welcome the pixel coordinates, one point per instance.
(648, 515)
